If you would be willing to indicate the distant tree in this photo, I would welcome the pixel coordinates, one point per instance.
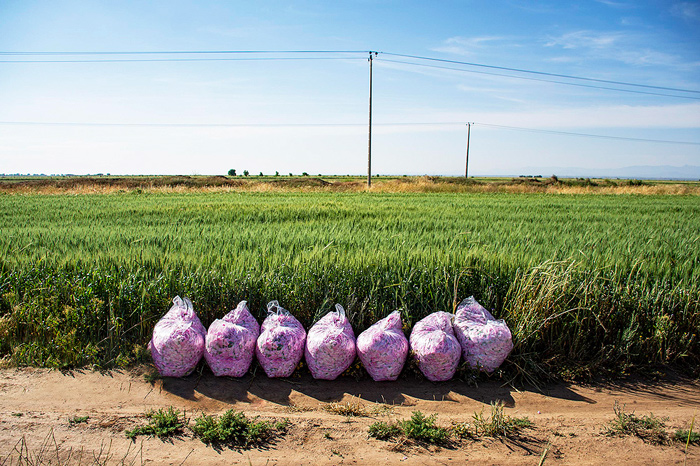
(277, 173)
(232, 172)
(290, 174)
(246, 173)
(261, 174)
(304, 174)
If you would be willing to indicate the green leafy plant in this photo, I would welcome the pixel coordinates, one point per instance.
(161, 423)
(419, 427)
(78, 420)
(384, 431)
(423, 428)
(687, 436)
(235, 429)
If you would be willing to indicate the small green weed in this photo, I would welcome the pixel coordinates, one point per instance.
(687, 436)
(420, 427)
(151, 377)
(235, 429)
(383, 431)
(423, 428)
(648, 428)
(78, 420)
(497, 425)
(161, 423)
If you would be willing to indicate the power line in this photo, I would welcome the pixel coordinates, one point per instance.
(183, 52)
(132, 60)
(177, 125)
(250, 52)
(459, 124)
(597, 136)
(591, 86)
(542, 73)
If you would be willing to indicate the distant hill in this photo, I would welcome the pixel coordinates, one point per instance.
(662, 172)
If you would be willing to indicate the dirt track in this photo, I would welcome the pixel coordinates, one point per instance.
(36, 405)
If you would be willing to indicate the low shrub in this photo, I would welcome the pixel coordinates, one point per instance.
(161, 423)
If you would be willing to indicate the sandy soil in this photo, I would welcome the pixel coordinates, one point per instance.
(36, 405)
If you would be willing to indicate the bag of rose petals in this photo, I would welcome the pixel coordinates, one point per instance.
(435, 346)
(330, 345)
(383, 347)
(230, 342)
(177, 344)
(280, 345)
(486, 342)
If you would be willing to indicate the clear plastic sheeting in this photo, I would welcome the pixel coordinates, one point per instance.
(383, 347)
(178, 338)
(435, 346)
(281, 343)
(230, 342)
(330, 345)
(486, 341)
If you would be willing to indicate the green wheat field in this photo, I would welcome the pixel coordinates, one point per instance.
(589, 284)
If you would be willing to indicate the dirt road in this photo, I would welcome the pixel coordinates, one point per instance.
(567, 420)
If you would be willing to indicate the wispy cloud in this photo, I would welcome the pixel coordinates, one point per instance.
(687, 10)
(680, 116)
(460, 45)
(586, 39)
(611, 45)
(616, 4)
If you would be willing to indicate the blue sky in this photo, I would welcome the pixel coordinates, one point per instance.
(289, 106)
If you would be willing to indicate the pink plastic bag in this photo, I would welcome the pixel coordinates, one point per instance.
(330, 345)
(230, 342)
(486, 342)
(435, 346)
(178, 340)
(383, 347)
(281, 343)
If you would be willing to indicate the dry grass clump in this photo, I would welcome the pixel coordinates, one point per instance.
(648, 427)
(358, 409)
(309, 184)
(498, 424)
(349, 408)
(50, 452)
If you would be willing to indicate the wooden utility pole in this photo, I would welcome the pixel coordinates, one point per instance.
(466, 169)
(369, 139)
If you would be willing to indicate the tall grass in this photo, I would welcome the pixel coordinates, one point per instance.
(587, 283)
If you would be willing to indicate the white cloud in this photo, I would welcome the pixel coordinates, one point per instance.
(687, 10)
(619, 116)
(460, 45)
(615, 4)
(681, 116)
(613, 45)
(586, 39)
